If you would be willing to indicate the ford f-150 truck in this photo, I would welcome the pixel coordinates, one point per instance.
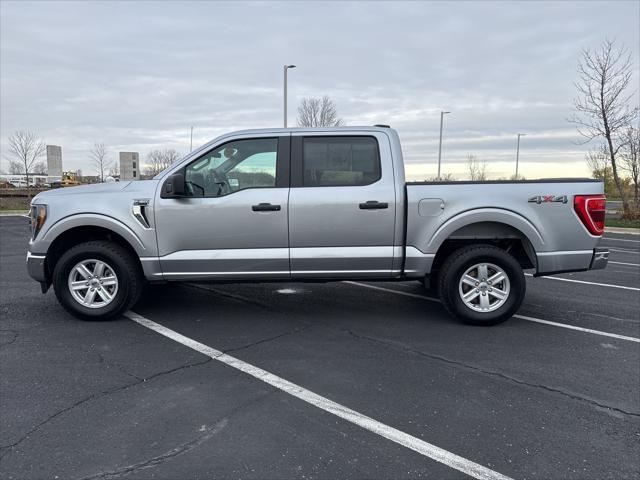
(321, 204)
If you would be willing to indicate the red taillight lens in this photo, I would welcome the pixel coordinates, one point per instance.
(591, 210)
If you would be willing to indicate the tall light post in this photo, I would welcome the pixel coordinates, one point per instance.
(286, 68)
(442, 114)
(518, 152)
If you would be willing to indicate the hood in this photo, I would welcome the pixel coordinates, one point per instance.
(81, 190)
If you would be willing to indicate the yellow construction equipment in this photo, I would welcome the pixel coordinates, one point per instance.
(69, 179)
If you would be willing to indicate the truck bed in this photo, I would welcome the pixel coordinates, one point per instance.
(539, 212)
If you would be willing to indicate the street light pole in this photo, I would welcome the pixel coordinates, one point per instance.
(286, 67)
(442, 114)
(518, 152)
(191, 144)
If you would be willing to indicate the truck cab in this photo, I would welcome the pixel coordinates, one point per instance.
(284, 205)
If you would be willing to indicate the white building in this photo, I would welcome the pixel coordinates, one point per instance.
(54, 163)
(129, 166)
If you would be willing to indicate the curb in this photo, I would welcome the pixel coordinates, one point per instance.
(630, 231)
(14, 213)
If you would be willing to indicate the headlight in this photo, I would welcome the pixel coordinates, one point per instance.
(37, 216)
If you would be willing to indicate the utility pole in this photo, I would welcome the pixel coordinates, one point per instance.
(286, 68)
(442, 114)
(518, 152)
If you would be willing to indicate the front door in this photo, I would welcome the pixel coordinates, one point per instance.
(342, 206)
(233, 222)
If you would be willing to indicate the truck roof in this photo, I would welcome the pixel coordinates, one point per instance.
(368, 128)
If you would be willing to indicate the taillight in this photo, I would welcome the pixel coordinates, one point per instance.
(591, 210)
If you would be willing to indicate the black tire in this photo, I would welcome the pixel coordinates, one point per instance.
(459, 262)
(124, 266)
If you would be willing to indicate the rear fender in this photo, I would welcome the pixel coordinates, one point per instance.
(421, 254)
(483, 215)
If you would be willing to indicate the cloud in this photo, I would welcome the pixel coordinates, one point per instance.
(137, 78)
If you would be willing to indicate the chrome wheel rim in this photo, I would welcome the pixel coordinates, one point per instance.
(93, 283)
(484, 287)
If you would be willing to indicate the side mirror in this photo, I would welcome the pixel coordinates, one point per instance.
(174, 185)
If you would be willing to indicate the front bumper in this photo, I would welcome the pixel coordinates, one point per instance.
(36, 267)
(600, 258)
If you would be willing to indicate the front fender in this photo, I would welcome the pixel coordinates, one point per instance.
(41, 245)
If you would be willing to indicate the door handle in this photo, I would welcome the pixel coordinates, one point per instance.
(266, 207)
(373, 205)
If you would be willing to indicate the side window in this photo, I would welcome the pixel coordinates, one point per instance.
(237, 165)
(340, 161)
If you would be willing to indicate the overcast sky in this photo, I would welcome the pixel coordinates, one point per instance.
(137, 75)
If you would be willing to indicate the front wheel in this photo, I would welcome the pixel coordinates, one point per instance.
(97, 280)
(481, 285)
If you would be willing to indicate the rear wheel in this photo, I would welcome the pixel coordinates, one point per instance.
(97, 280)
(481, 285)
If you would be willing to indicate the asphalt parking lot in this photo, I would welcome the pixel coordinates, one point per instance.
(401, 389)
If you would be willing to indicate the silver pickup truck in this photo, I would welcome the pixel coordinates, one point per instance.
(322, 204)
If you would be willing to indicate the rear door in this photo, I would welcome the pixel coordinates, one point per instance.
(341, 205)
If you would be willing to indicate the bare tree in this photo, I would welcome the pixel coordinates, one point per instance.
(114, 171)
(39, 168)
(318, 112)
(631, 159)
(158, 160)
(477, 168)
(598, 162)
(100, 162)
(602, 106)
(25, 148)
(445, 177)
(15, 168)
(597, 159)
(517, 178)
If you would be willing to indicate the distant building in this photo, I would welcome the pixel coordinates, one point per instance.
(129, 166)
(54, 163)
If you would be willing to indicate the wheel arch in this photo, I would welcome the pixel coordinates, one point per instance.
(72, 231)
(501, 228)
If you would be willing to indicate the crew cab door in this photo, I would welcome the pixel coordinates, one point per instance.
(341, 205)
(231, 222)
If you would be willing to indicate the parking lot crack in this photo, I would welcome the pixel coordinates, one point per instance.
(268, 339)
(5, 449)
(180, 449)
(117, 366)
(404, 348)
(155, 461)
(232, 296)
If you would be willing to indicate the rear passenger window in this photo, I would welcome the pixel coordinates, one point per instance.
(340, 161)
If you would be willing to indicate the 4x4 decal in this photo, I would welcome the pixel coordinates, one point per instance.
(548, 199)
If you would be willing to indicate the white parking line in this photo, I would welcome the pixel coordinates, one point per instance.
(438, 454)
(579, 329)
(406, 294)
(624, 250)
(560, 279)
(624, 263)
(521, 317)
(620, 239)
